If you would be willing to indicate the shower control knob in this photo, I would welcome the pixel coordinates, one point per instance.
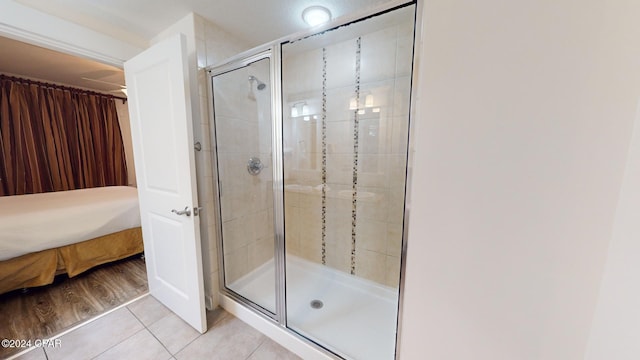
(254, 166)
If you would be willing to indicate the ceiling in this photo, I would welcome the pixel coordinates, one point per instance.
(255, 21)
(137, 22)
(24, 60)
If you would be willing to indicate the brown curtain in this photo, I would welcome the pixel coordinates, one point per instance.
(54, 139)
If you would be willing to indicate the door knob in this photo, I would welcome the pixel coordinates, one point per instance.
(186, 211)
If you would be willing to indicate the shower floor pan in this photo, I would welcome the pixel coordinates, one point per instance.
(351, 316)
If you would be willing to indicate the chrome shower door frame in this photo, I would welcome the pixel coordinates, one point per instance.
(273, 51)
(239, 63)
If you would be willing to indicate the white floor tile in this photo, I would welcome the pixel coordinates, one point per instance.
(270, 350)
(96, 337)
(142, 345)
(148, 310)
(173, 332)
(228, 339)
(35, 354)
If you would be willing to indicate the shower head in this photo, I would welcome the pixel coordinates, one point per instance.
(260, 85)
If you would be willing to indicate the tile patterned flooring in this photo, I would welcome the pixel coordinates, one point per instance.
(145, 329)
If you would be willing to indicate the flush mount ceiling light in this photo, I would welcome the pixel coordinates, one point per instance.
(316, 15)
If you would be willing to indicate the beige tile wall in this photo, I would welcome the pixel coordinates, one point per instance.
(212, 46)
(385, 74)
(247, 200)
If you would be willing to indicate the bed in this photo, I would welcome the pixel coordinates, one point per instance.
(42, 235)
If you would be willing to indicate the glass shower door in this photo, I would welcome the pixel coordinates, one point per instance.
(346, 100)
(242, 127)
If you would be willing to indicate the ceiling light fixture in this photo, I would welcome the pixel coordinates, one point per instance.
(316, 15)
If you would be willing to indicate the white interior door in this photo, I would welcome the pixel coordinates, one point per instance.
(161, 128)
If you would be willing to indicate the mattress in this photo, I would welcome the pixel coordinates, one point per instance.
(35, 222)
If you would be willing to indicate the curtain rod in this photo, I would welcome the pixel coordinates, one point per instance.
(60, 87)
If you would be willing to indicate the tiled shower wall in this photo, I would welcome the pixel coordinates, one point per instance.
(385, 79)
(243, 126)
(210, 44)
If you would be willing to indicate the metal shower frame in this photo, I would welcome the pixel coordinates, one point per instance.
(273, 52)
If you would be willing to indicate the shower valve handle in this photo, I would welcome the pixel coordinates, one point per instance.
(254, 166)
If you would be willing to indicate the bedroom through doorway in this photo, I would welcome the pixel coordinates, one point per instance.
(42, 312)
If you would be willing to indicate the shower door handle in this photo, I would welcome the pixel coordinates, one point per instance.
(186, 211)
(254, 166)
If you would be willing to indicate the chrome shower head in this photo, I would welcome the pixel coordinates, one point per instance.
(260, 85)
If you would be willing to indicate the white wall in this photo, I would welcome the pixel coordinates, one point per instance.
(522, 133)
(615, 333)
(125, 130)
(26, 24)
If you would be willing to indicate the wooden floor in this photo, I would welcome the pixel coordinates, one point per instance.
(48, 310)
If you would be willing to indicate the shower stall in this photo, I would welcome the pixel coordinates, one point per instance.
(311, 144)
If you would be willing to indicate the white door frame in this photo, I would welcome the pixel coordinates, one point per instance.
(22, 23)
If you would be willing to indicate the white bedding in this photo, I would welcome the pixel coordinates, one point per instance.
(30, 223)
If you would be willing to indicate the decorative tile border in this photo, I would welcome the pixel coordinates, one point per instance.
(356, 137)
(324, 156)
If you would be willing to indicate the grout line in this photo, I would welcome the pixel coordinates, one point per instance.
(161, 343)
(149, 330)
(187, 344)
(114, 345)
(15, 356)
(139, 320)
(257, 347)
(158, 340)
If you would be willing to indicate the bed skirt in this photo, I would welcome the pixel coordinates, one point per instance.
(37, 269)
